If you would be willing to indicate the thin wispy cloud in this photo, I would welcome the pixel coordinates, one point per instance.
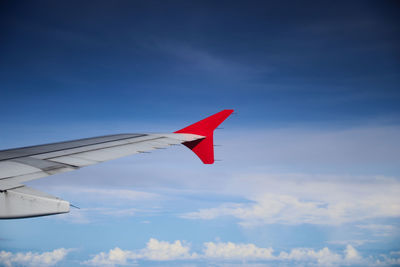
(302, 200)
(382, 230)
(190, 58)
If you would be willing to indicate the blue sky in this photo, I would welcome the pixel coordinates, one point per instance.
(310, 164)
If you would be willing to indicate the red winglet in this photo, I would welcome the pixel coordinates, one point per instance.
(204, 148)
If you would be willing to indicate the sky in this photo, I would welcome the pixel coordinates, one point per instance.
(310, 164)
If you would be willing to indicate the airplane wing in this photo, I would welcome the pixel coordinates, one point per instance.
(20, 165)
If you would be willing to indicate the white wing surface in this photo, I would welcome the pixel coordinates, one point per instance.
(28, 163)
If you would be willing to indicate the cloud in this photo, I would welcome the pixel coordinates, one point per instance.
(298, 198)
(106, 193)
(161, 250)
(351, 254)
(376, 227)
(307, 146)
(324, 256)
(379, 229)
(155, 250)
(113, 257)
(353, 242)
(234, 252)
(32, 258)
(97, 203)
(76, 216)
(203, 60)
(91, 215)
(388, 260)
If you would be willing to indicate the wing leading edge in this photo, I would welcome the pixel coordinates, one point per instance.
(29, 163)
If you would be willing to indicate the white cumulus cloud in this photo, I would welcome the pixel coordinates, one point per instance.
(44, 259)
(231, 250)
(156, 250)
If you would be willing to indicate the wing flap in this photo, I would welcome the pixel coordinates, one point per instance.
(12, 169)
(74, 160)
